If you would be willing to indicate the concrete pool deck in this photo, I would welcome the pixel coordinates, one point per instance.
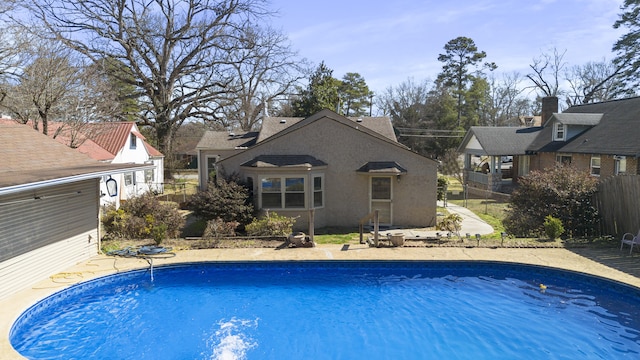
(609, 263)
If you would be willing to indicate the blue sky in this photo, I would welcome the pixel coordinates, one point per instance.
(388, 42)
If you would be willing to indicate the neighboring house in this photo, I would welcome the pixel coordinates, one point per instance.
(124, 144)
(341, 168)
(496, 156)
(49, 205)
(115, 143)
(601, 138)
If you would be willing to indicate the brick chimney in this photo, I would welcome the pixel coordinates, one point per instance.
(549, 106)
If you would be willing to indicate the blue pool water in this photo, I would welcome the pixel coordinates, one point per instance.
(336, 310)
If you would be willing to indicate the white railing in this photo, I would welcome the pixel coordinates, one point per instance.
(477, 177)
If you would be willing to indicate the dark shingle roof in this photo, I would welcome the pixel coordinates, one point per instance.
(576, 119)
(223, 140)
(617, 133)
(273, 125)
(502, 141)
(380, 125)
(382, 167)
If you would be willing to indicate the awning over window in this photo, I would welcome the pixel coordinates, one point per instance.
(382, 168)
(271, 161)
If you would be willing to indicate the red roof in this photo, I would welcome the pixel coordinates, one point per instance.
(27, 157)
(100, 141)
(111, 136)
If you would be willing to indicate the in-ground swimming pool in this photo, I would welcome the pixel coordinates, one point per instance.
(336, 310)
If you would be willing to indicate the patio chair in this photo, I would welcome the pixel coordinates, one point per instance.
(630, 240)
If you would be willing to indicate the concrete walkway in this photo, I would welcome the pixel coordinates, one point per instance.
(471, 224)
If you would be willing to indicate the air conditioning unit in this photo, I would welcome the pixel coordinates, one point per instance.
(619, 157)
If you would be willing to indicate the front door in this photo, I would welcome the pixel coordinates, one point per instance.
(381, 198)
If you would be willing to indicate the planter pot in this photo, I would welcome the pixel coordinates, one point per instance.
(397, 239)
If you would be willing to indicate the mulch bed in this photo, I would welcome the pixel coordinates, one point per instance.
(281, 242)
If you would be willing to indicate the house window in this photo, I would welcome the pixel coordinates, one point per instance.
(563, 159)
(271, 191)
(133, 140)
(381, 188)
(129, 178)
(294, 193)
(620, 165)
(595, 165)
(559, 132)
(211, 168)
(318, 191)
(289, 192)
(148, 176)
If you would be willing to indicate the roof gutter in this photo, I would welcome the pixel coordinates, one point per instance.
(71, 179)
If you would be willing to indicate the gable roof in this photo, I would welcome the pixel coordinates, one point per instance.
(31, 159)
(354, 124)
(501, 141)
(380, 124)
(379, 127)
(113, 136)
(616, 133)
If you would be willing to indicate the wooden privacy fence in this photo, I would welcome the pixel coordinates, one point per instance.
(618, 201)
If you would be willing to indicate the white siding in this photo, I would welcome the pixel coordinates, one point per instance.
(40, 237)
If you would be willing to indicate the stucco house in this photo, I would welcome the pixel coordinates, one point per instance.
(49, 205)
(341, 168)
(114, 143)
(600, 138)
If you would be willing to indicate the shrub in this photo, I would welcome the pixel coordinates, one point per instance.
(225, 199)
(219, 228)
(451, 223)
(142, 217)
(562, 192)
(553, 227)
(271, 225)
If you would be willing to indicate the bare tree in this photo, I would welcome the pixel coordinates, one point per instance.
(265, 69)
(51, 85)
(10, 47)
(91, 100)
(177, 51)
(42, 84)
(547, 70)
(594, 82)
(506, 100)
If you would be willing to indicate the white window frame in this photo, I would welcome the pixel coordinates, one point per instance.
(129, 178)
(594, 165)
(620, 165)
(309, 191)
(559, 132)
(215, 158)
(320, 191)
(560, 157)
(149, 176)
(133, 141)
